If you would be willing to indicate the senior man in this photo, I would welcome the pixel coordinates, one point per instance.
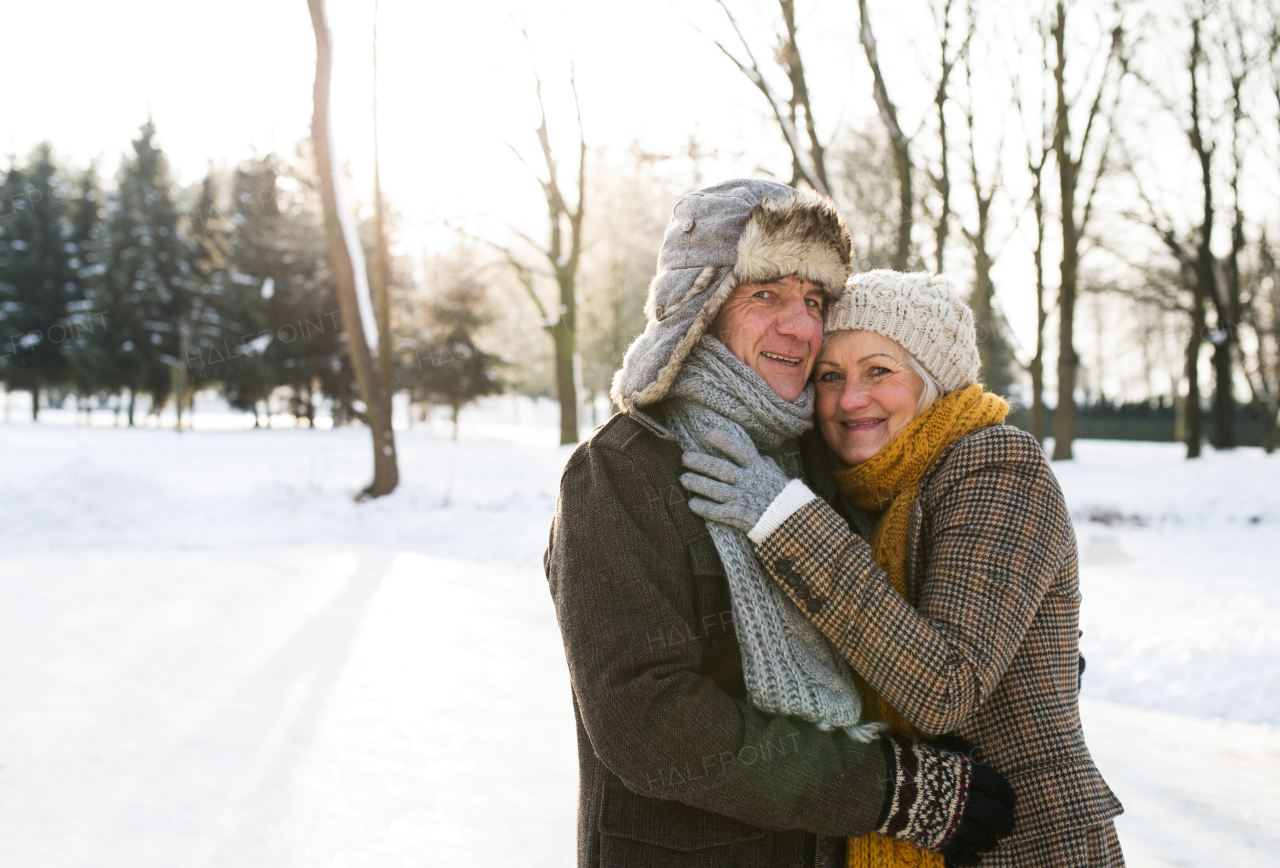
(716, 727)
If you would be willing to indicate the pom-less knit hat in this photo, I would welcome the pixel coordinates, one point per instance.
(720, 238)
(922, 312)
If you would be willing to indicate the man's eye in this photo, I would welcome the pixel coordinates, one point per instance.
(764, 293)
(814, 302)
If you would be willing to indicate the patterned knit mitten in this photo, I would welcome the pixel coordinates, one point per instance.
(942, 799)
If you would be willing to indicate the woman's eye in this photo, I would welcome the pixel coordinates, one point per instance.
(829, 377)
(878, 371)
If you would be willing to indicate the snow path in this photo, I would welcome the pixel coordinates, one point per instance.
(1196, 794)
(285, 707)
(211, 657)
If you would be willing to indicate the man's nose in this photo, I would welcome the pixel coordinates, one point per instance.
(796, 321)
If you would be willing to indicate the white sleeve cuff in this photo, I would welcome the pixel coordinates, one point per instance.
(788, 502)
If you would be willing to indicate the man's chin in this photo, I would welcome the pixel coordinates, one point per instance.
(788, 389)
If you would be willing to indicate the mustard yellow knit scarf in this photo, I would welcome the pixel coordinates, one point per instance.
(890, 481)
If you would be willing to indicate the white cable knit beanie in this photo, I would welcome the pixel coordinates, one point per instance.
(922, 312)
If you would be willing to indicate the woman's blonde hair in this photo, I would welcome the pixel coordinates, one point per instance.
(932, 388)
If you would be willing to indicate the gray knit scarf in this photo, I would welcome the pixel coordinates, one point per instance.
(789, 666)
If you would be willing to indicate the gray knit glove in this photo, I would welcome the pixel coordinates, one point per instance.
(737, 492)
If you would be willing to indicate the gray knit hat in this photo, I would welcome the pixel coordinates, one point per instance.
(719, 238)
(922, 312)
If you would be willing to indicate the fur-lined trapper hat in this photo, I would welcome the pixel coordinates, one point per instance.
(720, 238)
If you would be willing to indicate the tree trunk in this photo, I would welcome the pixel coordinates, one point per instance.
(1224, 402)
(180, 371)
(897, 138)
(377, 401)
(800, 98)
(990, 340)
(1206, 276)
(35, 401)
(1039, 421)
(1193, 424)
(1064, 419)
(1269, 433)
(381, 259)
(133, 396)
(565, 336)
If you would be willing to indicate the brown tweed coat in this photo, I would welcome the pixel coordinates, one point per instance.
(990, 650)
(676, 769)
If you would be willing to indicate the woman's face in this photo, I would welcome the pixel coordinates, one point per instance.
(867, 393)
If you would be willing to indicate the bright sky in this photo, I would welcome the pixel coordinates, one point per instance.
(223, 79)
(455, 82)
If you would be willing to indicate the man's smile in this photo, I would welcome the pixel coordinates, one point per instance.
(791, 361)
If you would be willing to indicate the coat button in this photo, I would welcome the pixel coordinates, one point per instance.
(783, 566)
(814, 605)
(802, 591)
(791, 579)
(688, 226)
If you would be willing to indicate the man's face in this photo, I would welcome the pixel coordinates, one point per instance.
(776, 330)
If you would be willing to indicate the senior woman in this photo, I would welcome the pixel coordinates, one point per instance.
(957, 601)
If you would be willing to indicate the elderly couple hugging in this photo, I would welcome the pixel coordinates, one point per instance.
(819, 604)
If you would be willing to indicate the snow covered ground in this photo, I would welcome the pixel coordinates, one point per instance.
(209, 656)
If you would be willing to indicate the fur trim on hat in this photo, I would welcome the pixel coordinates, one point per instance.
(789, 232)
(804, 235)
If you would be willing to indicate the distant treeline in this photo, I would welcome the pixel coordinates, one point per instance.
(1159, 422)
(142, 288)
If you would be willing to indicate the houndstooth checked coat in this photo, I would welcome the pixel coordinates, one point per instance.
(990, 650)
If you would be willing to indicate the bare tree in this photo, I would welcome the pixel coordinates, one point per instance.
(865, 175)
(1239, 58)
(949, 56)
(562, 252)
(381, 256)
(1039, 143)
(1261, 363)
(1071, 158)
(992, 342)
(807, 165)
(900, 141)
(1198, 266)
(347, 261)
(1259, 303)
(618, 265)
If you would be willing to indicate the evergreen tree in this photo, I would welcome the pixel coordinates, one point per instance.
(89, 326)
(447, 366)
(279, 315)
(144, 293)
(37, 278)
(207, 250)
(308, 351)
(239, 308)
